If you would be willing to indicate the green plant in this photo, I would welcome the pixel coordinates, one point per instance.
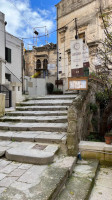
(93, 108)
(102, 98)
(94, 123)
(94, 137)
(57, 91)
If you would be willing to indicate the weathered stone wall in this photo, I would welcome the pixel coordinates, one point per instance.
(79, 119)
(89, 24)
(2, 104)
(31, 56)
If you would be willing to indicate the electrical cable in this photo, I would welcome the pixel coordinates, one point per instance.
(19, 11)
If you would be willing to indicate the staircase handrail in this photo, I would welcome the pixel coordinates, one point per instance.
(14, 75)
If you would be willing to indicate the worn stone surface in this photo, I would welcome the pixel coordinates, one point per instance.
(79, 185)
(32, 136)
(20, 181)
(32, 153)
(45, 103)
(103, 185)
(32, 182)
(2, 104)
(38, 113)
(30, 119)
(42, 108)
(33, 127)
(97, 150)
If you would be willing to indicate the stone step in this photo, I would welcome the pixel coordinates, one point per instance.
(42, 108)
(48, 127)
(102, 189)
(51, 97)
(34, 136)
(34, 182)
(80, 184)
(70, 92)
(29, 152)
(30, 119)
(32, 153)
(37, 113)
(45, 102)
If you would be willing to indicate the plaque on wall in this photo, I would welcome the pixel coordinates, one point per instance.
(78, 83)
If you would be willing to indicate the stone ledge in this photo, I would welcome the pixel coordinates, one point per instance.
(97, 150)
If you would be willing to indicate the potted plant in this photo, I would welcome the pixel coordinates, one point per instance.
(108, 137)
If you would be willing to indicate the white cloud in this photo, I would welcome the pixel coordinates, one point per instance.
(21, 18)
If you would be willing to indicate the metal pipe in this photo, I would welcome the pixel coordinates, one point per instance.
(57, 48)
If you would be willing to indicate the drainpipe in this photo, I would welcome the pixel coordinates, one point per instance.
(57, 48)
(22, 66)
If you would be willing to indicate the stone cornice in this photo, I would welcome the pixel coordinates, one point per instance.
(65, 9)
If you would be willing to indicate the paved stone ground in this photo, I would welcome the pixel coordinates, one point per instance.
(18, 175)
(103, 185)
(20, 181)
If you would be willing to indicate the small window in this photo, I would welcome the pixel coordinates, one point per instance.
(82, 35)
(19, 88)
(8, 77)
(8, 55)
(13, 88)
(38, 64)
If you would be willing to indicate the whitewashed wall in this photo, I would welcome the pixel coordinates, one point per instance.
(16, 60)
(35, 87)
(2, 48)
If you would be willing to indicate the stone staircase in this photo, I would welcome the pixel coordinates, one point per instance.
(41, 120)
(34, 164)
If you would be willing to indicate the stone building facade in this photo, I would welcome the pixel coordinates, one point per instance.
(38, 59)
(90, 28)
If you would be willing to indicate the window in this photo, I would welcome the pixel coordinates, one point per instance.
(82, 36)
(8, 77)
(45, 63)
(8, 55)
(38, 64)
(19, 88)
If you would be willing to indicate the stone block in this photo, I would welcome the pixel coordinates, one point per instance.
(93, 155)
(72, 127)
(108, 158)
(2, 104)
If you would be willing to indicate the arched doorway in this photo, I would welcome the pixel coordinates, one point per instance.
(45, 63)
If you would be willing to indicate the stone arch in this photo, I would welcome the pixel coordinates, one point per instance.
(38, 64)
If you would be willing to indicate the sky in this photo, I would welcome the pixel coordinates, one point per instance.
(25, 16)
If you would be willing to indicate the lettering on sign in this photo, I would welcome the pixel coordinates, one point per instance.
(76, 54)
(78, 83)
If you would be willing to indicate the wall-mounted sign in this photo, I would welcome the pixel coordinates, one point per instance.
(77, 72)
(79, 58)
(78, 83)
(77, 54)
(85, 53)
(51, 66)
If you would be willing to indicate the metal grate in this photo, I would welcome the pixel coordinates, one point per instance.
(39, 147)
